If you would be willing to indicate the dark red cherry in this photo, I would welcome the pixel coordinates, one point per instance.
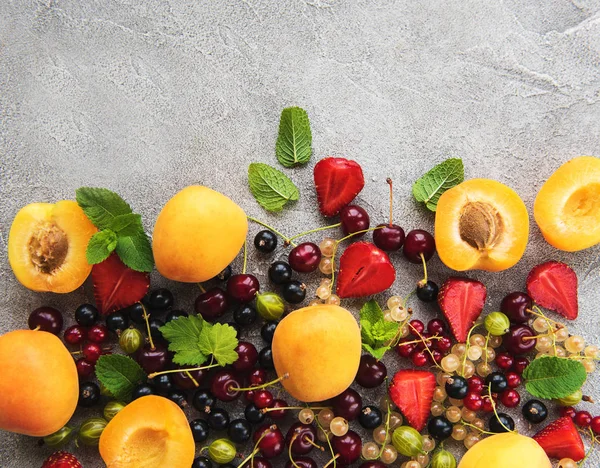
(91, 352)
(243, 287)
(418, 242)
(305, 257)
(223, 384)
(347, 404)
(260, 462)
(301, 462)
(257, 377)
(271, 440)
(85, 368)
(514, 342)
(152, 359)
(74, 335)
(47, 319)
(300, 436)
(212, 304)
(183, 381)
(515, 306)
(371, 372)
(389, 238)
(354, 219)
(262, 398)
(348, 447)
(247, 356)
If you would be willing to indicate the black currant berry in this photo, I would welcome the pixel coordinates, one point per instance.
(89, 394)
(253, 414)
(293, 292)
(370, 417)
(535, 411)
(428, 292)
(265, 358)
(439, 428)
(200, 429)
(502, 423)
(457, 387)
(161, 299)
(118, 321)
(142, 390)
(218, 419)
(203, 401)
(498, 382)
(267, 331)
(86, 315)
(174, 315)
(280, 272)
(239, 431)
(245, 314)
(265, 241)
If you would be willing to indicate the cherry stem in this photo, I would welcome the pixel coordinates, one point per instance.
(259, 387)
(389, 182)
(194, 381)
(202, 290)
(174, 371)
(285, 408)
(333, 460)
(309, 441)
(245, 257)
(328, 443)
(541, 315)
(589, 452)
(285, 238)
(251, 456)
(146, 317)
(290, 454)
(424, 280)
(37, 328)
(495, 410)
(323, 228)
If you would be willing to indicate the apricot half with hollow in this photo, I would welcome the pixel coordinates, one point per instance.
(46, 246)
(567, 207)
(318, 348)
(197, 234)
(481, 224)
(150, 432)
(39, 384)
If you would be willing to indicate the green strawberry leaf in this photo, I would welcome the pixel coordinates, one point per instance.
(552, 377)
(271, 188)
(294, 142)
(429, 188)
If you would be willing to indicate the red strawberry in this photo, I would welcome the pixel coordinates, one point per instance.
(338, 181)
(364, 270)
(62, 459)
(553, 285)
(117, 286)
(561, 439)
(461, 301)
(412, 392)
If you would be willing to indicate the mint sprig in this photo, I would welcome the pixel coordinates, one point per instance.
(552, 377)
(294, 142)
(430, 187)
(271, 188)
(376, 332)
(119, 374)
(121, 230)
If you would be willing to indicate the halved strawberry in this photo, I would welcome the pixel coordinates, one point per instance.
(116, 286)
(62, 459)
(461, 301)
(364, 270)
(553, 285)
(561, 439)
(338, 181)
(412, 392)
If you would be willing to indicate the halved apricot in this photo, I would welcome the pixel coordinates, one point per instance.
(481, 224)
(46, 246)
(150, 432)
(567, 207)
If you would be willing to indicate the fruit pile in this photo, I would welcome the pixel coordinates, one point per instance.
(171, 388)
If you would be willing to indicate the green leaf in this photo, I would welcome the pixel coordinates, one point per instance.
(553, 377)
(101, 205)
(371, 312)
(183, 336)
(294, 142)
(127, 224)
(376, 333)
(220, 340)
(119, 374)
(383, 332)
(100, 246)
(136, 252)
(442, 177)
(377, 353)
(271, 188)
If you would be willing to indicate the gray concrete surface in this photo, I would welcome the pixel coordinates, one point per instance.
(148, 96)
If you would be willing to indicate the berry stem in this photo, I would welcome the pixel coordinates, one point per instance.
(589, 452)
(426, 347)
(285, 238)
(467, 346)
(245, 257)
(465, 423)
(290, 454)
(285, 408)
(173, 371)
(389, 182)
(328, 443)
(495, 410)
(485, 348)
(539, 313)
(146, 317)
(333, 460)
(258, 387)
(424, 280)
(202, 290)
(323, 228)
(194, 381)
(387, 429)
(250, 458)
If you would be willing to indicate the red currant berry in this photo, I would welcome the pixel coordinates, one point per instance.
(510, 398)
(257, 377)
(305, 257)
(435, 357)
(91, 352)
(247, 356)
(74, 334)
(520, 364)
(595, 424)
(263, 399)
(504, 361)
(443, 344)
(476, 384)
(473, 402)
(84, 368)
(514, 380)
(419, 358)
(249, 395)
(415, 327)
(405, 350)
(280, 414)
(487, 406)
(97, 333)
(583, 419)
(567, 411)
(436, 327)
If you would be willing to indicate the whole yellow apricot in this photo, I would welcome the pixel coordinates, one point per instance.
(150, 432)
(39, 384)
(197, 234)
(319, 348)
(504, 450)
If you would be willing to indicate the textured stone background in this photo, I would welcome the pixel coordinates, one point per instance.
(148, 96)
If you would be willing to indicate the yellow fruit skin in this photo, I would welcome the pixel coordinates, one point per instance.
(197, 234)
(319, 347)
(39, 383)
(150, 432)
(506, 450)
(567, 207)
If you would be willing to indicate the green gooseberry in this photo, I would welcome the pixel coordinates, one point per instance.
(91, 430)
(130, 340)
(443, 459)
(112, 408)
(60, 437)
(104, 391)
(570, 400)
(222, 451)
(497, 323)
(270, 306)
(407, 441)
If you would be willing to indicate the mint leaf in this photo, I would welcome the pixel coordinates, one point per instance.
(219, 340)
(376, 333)
(294, 142)
(100, 246)
(371, 312)
(442, 177)
(136, 252)
(119, 374)
(377, 353)
(271, 188)
(127, 224)
(101, 205)
(553, 377)
(384, 331)
(183, 336)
